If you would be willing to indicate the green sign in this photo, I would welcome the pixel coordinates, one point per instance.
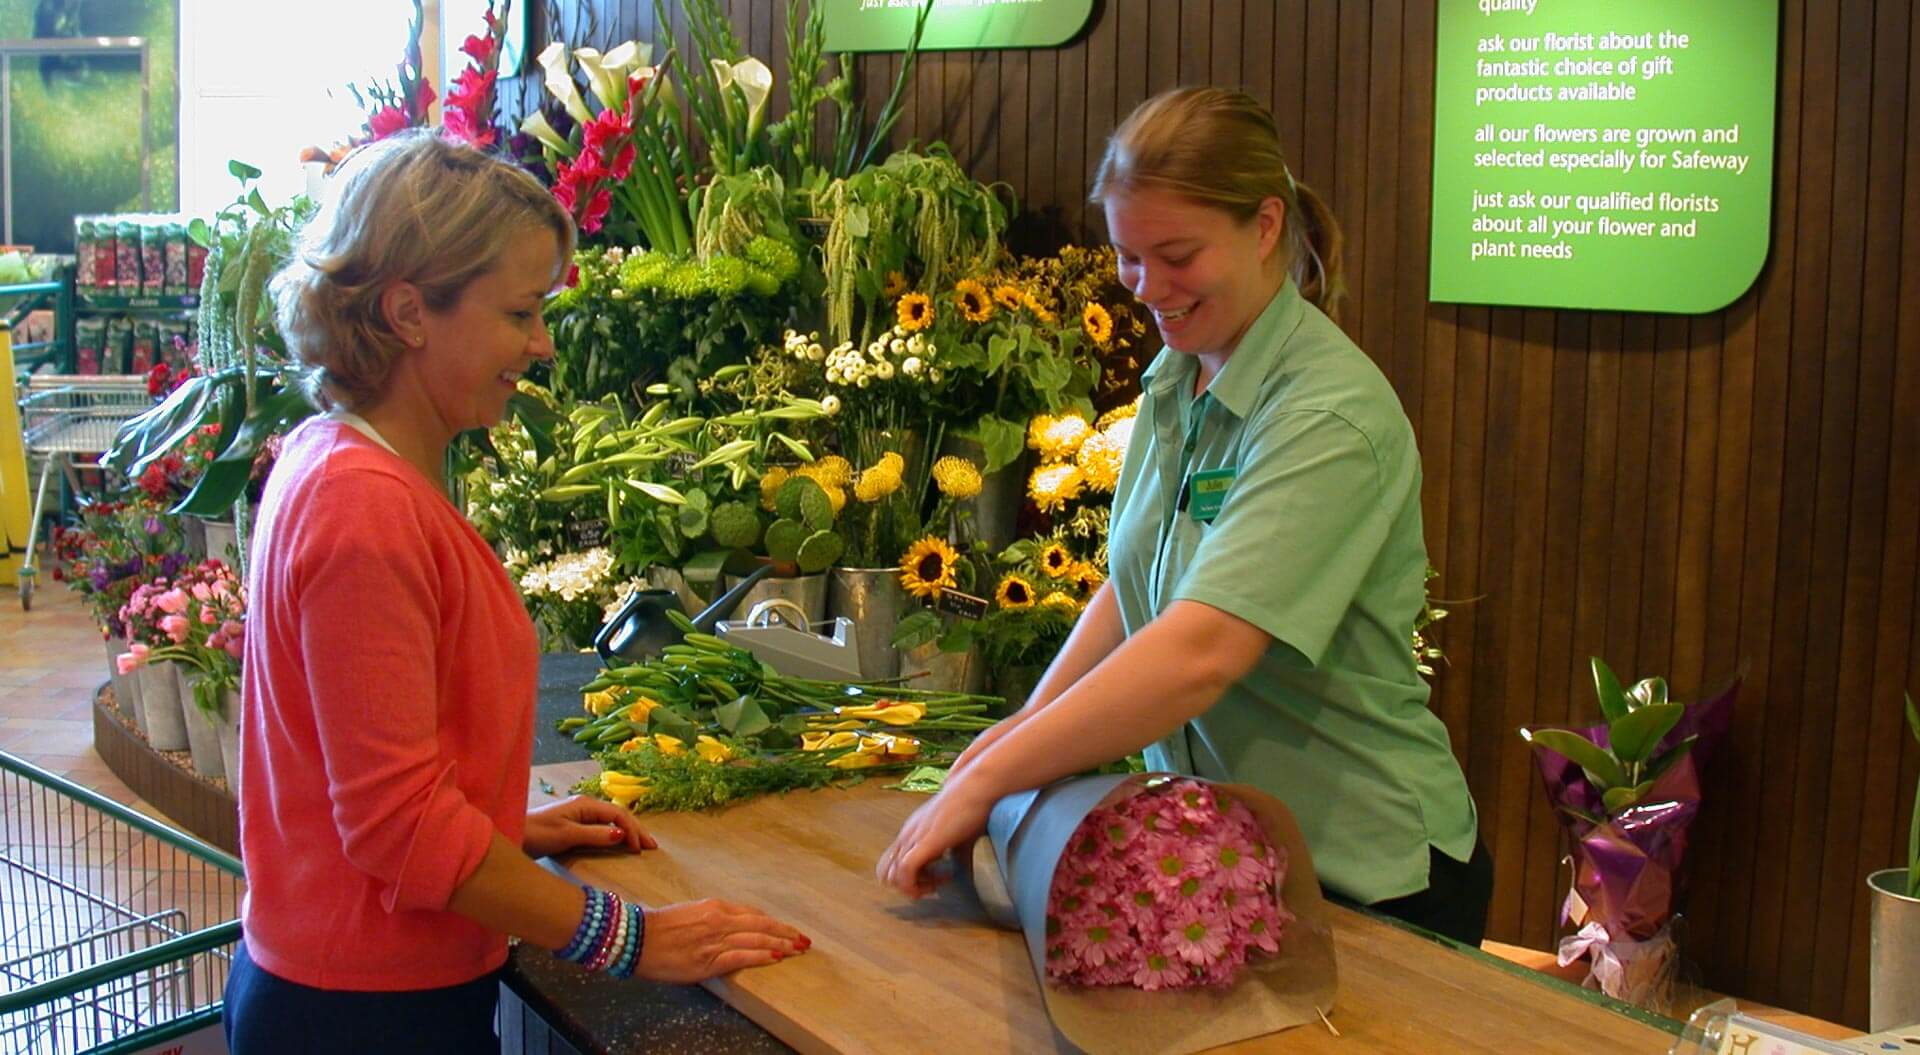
(885, 25)
(1612, 156)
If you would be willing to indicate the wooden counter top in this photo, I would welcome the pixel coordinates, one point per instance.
(887, 974)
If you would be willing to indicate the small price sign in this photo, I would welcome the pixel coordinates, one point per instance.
(586, 534)
(964, 605)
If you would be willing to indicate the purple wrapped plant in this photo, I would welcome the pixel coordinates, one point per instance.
(1627, 792)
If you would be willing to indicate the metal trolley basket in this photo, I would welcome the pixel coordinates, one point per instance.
(116, 931)
(63, 415)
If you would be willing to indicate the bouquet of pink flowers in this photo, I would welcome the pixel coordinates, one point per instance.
(1162, 914)
(198, 618)
(1172, 888)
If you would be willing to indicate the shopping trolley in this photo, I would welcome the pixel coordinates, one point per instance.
(64, 415)
(116, 931)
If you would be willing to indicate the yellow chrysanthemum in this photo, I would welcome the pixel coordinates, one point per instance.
(1057, 438)
(972, 300)
(1056, 599)
(876, 483)
(1120, 413)
(1014, 592)
(1039, 310)
(928, 567)
(1009, 297)
(1052, 486)
(956, 477)
(770, 485)
(1099, 460)
(915, 312)
(1098, 324)
(830, 471)
(837, 497)
(896, 284)
(1056, 561)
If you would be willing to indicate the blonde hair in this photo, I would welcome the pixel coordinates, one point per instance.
(409, 208)
(1221, 148)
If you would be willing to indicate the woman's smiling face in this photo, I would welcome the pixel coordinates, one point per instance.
(1205, 275)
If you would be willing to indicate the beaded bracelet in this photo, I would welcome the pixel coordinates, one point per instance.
(610, 937)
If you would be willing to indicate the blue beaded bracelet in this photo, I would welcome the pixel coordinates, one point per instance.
(624, 965)
(595, 919)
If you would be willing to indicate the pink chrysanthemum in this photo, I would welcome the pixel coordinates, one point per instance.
(1160, 971)
(1197, 938)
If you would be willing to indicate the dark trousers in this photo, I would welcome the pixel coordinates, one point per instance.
(1455, 901)
(268, 1015)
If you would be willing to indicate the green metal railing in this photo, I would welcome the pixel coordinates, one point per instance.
(133, 922)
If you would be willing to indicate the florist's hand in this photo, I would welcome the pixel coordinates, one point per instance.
(582, 823)
(697, 940)
(952, 820)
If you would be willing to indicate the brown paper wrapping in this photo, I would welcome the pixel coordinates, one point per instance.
(1029, 831)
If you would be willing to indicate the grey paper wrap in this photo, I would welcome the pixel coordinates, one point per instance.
(1029, 831)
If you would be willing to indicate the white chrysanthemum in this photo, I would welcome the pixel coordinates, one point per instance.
(831, 405)
(884, 369)
(912, 366)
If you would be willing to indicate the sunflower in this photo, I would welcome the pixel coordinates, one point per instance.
(1087, 576)
(1032, 304)
(1097, 323)
(896, 284)
(957, 477)
(972, 299)
(1053, 486)
(915, 312)
(1099, 460)
(1056, 561)
(876, 483)
(1056, 599)
(1014, 592)
(770, 485)
(1057, 438)
(1008, 297)
(928, 567)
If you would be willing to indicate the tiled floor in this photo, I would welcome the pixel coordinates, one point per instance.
(77, 886)
(51, 661)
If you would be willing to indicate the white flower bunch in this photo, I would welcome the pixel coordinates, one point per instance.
(569, 576)
(895, 354)
(805, 347)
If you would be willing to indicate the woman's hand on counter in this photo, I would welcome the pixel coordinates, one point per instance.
(582, 823)
(696, 940)
(951, 820)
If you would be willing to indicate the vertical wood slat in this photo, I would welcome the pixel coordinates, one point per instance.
(1681, 496)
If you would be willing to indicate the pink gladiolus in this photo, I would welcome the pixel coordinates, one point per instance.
(386, 121)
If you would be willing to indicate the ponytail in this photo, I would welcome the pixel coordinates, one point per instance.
(1317, 250)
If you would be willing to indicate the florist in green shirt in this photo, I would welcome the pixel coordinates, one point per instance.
(1267, 560)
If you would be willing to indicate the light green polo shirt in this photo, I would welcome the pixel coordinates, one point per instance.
(1318, 543)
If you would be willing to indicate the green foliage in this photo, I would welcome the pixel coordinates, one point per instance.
(736, 525)
(818, 552)
(1637, 720)
(685, 782)
(784, 538)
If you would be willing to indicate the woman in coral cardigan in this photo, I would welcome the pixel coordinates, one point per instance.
(390, 666)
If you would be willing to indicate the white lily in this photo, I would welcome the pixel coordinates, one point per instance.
(560, 83)
(536, 126)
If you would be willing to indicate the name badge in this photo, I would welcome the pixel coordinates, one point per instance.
(1207, 492)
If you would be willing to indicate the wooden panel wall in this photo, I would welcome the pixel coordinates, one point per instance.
(1682, 495)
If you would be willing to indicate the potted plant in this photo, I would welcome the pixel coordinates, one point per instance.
(1627, 791)
(1894, 971)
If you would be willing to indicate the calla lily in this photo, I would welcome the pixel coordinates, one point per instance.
(620, 62)
(536, 126)
(755, 81)
(597, 76)
(827, 741)
(560, 83)
(722, 73)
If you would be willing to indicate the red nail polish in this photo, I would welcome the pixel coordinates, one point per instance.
(777, 954)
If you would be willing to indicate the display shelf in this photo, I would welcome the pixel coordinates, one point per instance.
(164, 303)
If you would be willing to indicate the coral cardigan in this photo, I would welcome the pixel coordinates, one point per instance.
(387, 722)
